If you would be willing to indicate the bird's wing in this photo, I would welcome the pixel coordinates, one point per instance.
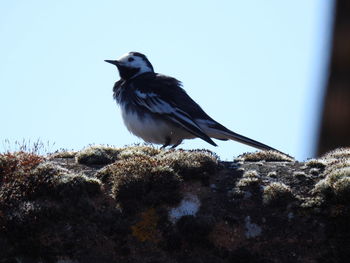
(165, 97)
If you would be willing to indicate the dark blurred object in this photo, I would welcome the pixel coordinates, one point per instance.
(335, 124)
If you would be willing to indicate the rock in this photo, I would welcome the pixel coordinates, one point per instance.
(142, 204)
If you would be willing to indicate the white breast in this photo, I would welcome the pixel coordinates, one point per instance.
(153, 130)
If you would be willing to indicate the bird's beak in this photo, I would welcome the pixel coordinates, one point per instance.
(114, 62)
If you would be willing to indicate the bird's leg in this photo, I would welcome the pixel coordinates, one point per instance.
(176, 144)
(166, 144)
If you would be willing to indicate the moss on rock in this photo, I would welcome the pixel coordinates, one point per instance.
(335, 187)
(316, 163)
(277, 194)
(142, 181)
(268, 156)
(98, 155)
(340, 153)
(63, 154)
(138, 150)
(151, 205)
(191, 165)
(46, 211)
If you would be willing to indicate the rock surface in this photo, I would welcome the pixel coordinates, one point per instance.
(142, 204)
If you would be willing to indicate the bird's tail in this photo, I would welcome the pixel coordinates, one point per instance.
(242, 139)
(220, 132)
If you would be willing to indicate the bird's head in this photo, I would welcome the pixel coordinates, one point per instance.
(132, 64)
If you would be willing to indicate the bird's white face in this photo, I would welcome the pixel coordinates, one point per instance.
(131, 65)
(131, 60)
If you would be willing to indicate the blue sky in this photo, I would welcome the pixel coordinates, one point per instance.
(257, 67)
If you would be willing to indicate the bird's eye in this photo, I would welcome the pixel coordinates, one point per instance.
(130, 59)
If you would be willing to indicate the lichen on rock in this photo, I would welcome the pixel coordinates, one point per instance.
(144, 204)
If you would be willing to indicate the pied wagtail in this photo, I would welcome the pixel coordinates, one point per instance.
(156, 108)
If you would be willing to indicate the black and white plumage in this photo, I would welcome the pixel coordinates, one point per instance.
(156, 108)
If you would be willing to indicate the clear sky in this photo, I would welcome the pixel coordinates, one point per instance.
(257, 67)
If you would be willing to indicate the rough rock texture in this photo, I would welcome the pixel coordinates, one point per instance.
(142, 204)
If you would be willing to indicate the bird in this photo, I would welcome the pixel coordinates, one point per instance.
(156, 108)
